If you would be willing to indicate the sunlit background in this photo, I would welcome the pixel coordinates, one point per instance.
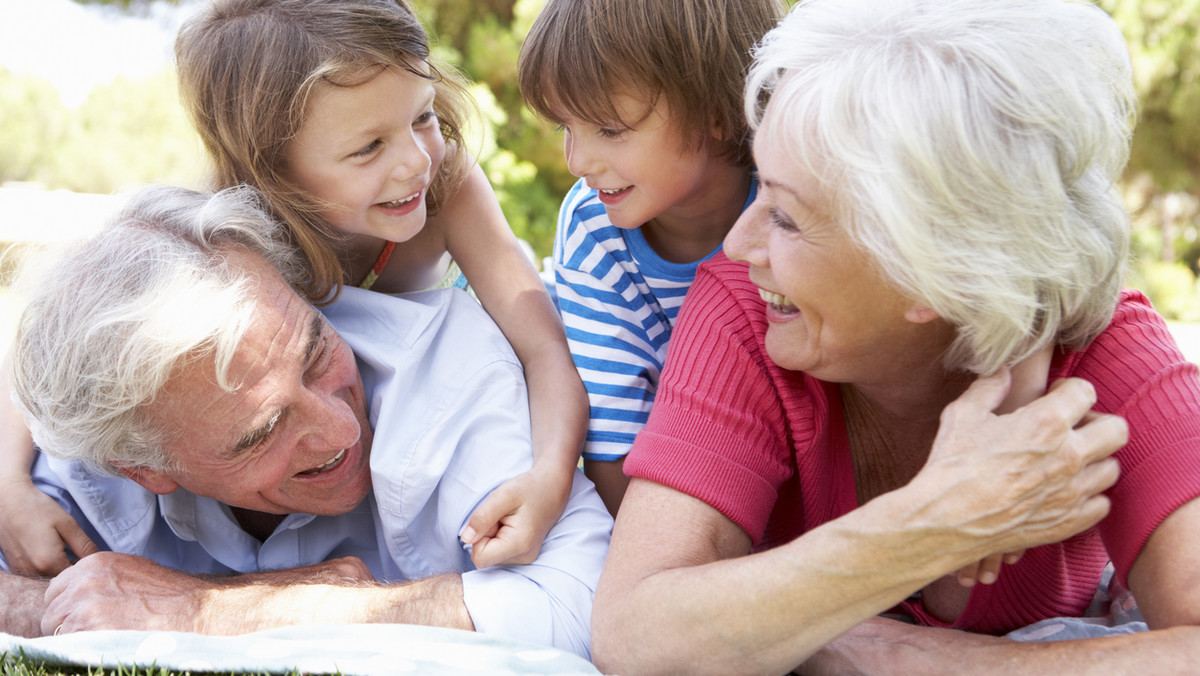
(88, 109)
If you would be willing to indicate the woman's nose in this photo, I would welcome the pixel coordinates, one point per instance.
(744, 242)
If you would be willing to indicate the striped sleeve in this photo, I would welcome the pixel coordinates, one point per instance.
(616, 329)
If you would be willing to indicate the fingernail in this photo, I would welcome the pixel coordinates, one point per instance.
(468, 534)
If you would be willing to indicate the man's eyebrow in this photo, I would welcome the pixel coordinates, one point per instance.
(252, 438)
(316, 326)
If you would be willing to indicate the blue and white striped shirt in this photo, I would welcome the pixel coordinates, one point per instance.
(618, 300)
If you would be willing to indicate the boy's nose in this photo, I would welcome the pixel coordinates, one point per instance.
(577, 158)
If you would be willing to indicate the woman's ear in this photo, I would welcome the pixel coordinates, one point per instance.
(155, 481)
(920, 314)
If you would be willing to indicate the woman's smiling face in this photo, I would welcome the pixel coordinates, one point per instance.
(830, 313)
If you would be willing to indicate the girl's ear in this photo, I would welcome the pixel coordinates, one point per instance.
(155, 481)
(919, 314)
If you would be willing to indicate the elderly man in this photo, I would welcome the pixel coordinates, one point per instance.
(275, 478)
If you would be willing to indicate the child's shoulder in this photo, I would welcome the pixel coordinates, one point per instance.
(582, 204)
(582, 215)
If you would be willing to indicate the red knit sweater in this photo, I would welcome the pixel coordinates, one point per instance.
(768, 448)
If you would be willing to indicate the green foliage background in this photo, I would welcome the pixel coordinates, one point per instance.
(132, 131)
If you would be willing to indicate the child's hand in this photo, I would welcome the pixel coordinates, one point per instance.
(34, 531)
(511, 524)
(1029, 378)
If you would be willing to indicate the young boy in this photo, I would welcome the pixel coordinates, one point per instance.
(649, 95)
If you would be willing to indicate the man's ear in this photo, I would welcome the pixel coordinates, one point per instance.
(920, 314)
(153, 480)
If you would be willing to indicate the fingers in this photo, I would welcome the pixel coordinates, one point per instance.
(76, 539)
(485, 521)
(969, 574)
(987, 392)
(1101, 435)
(1012, 558)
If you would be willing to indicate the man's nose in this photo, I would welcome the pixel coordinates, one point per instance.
(329, 422)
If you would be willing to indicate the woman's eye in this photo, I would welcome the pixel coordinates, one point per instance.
(782, 222)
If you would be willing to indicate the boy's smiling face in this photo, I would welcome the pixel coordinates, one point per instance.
(643, 169)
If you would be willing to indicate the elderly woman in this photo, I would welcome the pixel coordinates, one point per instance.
(937, 202)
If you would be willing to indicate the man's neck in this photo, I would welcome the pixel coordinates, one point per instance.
(258, 524)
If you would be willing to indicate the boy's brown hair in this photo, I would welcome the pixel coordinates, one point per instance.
(247, 69)
(693, 53)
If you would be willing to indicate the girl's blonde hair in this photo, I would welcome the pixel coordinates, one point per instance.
(247, 69)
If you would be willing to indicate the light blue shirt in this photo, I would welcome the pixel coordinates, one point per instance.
(450, 414)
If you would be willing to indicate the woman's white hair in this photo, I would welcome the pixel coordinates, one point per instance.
(110, 320)
(971, 147)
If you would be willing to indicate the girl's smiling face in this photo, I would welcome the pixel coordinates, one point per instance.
(368, 154)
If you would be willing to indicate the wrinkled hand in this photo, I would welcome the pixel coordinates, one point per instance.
(34, 531)
(121, 591)
(1029, 378)
(511, 524)
(1035, 476)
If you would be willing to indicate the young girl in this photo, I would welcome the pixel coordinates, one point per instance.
(336, 112)
(649, 96)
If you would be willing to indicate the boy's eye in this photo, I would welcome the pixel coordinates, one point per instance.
(367, 149)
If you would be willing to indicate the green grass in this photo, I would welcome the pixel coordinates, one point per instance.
(18, 665)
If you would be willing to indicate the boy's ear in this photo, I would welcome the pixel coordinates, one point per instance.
(153, 480)
(920, 314)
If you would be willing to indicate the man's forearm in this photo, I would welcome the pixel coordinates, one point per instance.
(119, 591)
(881, 646)
(234, 607)
(22, 601)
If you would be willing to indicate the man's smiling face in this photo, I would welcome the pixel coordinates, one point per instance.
(293, 437)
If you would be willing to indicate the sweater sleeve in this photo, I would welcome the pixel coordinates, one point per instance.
(718, 431)
(1140, 374)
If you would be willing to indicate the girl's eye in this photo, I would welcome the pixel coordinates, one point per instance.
(426, 117)
(367, 149)
(610, 132)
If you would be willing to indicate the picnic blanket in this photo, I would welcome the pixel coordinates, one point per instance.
(374, 649)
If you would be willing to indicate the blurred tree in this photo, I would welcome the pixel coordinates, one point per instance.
(1163, 177)
(522, 154)
(128, 132)
(32, 120)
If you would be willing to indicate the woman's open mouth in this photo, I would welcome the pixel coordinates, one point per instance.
(778, 301)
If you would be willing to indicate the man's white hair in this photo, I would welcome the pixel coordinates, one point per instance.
(109, 321)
